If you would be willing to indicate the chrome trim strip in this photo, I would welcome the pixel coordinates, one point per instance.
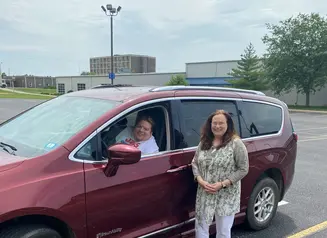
(212, 88)
(167, 228)
(72, 158)
(163, 153)
(190, 148)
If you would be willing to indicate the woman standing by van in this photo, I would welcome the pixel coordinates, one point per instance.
(219, 164)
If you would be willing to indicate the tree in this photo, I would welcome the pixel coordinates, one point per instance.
(177, 80)
(248, 73)
(296, 55)
(3, 75)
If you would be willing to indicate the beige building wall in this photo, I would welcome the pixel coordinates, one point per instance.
(292, 98)
(127, 63)
(210, 69)
(215, 69)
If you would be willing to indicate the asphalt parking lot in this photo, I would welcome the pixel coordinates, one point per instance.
(305, 204)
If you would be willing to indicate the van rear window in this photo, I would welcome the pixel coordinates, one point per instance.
(259, 119)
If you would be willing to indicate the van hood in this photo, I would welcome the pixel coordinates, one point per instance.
(8, 161)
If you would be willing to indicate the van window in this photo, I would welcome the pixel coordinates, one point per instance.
(195, 114)
(259, 119)
(52, 123)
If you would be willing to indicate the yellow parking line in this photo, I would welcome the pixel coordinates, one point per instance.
(310, 230)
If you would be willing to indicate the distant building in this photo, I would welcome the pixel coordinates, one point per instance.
(128, 63)
(211, 73)
(30, 81)
(77, 83)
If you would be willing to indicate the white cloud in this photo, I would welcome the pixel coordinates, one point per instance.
(39, 15)
(17, 48)
(72, 31)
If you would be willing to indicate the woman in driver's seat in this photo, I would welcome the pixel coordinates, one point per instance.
(140, 136)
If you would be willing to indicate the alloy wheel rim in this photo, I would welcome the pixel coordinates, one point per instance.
(264, 204)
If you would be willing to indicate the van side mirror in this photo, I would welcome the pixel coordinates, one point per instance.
(121, 154)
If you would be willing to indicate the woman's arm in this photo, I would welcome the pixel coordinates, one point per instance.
(241, 160)
(195, 166)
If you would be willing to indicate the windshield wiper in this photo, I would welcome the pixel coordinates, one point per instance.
(4, 146)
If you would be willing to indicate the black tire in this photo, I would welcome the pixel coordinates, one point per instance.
(29, 231)
(252, 221)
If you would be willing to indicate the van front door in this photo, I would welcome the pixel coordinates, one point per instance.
(134, 202)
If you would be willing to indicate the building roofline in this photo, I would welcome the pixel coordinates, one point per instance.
(126, 74)
(27, 76)
(213, 61)
(136, 55)
(217, 61)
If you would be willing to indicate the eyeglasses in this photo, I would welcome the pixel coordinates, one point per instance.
(144, 128)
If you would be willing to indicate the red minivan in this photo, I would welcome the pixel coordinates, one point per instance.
(63, 174)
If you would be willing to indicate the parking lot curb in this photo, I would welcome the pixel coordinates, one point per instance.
(307, 111)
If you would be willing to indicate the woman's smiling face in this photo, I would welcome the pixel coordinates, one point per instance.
(143, 130)
(219, 125)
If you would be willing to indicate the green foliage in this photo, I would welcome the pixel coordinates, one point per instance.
(177, 80)
(248, 73)
(50, 87)
(87, 73)
(297, 54)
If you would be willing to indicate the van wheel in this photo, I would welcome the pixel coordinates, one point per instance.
(29, 231)
(263, 204)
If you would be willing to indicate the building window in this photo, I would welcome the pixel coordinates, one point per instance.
(61, 88)
(80, 86)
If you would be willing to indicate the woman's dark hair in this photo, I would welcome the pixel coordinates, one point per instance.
(207, 136)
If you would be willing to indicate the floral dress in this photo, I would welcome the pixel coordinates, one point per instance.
(229, 162)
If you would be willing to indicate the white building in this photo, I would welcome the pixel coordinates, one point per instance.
(213, 73)
(196, 73)
(75, 83)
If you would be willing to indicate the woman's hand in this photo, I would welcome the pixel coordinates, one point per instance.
(209, 188)
(215, 187)
(206, 186)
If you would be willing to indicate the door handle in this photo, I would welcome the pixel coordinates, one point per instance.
(180, 168)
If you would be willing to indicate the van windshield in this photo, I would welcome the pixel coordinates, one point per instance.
(52, 123)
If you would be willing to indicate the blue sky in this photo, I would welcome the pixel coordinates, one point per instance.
(57, 38)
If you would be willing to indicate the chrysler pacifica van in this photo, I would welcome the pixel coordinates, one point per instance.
(63, 174)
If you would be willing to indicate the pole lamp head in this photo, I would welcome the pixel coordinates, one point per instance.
(109, 7)
(113, 10)
(103, 8)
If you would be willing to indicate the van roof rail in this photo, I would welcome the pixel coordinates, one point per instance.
(107, 85)
(210, 88)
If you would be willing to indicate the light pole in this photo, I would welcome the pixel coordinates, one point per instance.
(111, 11)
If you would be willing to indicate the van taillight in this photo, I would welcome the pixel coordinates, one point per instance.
(296, 137)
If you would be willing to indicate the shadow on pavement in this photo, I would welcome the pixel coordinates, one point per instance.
(281, 226)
